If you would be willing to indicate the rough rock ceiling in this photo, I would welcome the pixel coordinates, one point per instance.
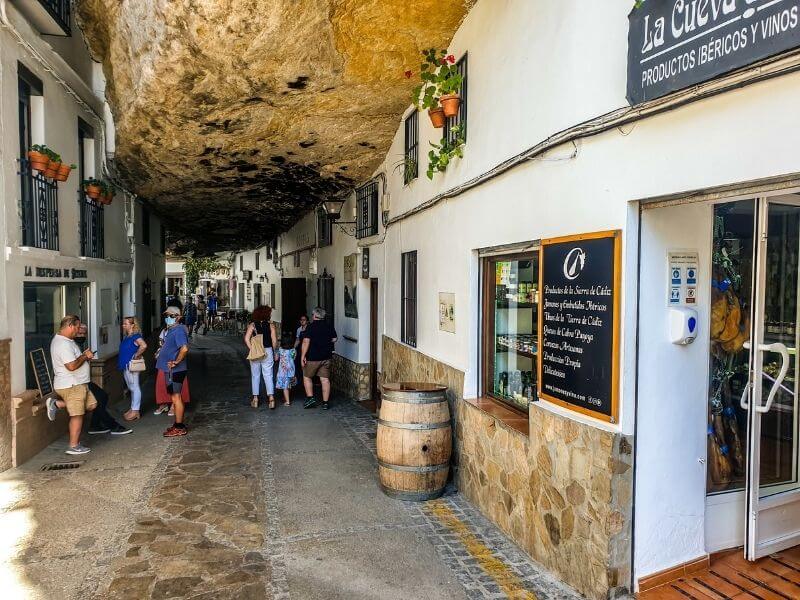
(234, 117)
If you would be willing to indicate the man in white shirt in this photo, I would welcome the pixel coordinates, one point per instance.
(71, 375)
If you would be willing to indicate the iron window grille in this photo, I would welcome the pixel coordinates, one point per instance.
(59, 10)
(367, 210)
(408, 294)
(241, 263)
(461, 118)
(39, 209)
(258, 260)
(411, 148)
(324, 229)
(92, 227)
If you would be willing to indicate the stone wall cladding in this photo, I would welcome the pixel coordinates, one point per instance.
(6, 407)
(350, 378)
(563, 494)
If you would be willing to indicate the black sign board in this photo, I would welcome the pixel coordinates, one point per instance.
(674, 44)
(42, 372)
(365, 263)
(578, 323)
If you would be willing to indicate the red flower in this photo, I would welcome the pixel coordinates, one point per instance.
(443, 61)
(408, 74)
(451, 59)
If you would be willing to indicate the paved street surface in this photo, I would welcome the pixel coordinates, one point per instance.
(253, 504)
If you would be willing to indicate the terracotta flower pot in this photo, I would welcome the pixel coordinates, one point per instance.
(52, 169)
(38, 160)
(450, 104)
(93, 191)
(437, 117)
(63, 172)
(106, 199)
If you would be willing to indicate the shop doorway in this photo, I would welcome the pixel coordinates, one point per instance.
(375, 395)
(753, 482)
(293, 302)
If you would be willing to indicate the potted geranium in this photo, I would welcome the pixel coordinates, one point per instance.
(53, 164)
(92, 187)
(107, 193)
(38, 157)
(64, 171)
(440, 83)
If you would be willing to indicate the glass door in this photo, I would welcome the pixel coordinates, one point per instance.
(770, 396)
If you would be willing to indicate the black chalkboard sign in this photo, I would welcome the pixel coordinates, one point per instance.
(42, 372)
(579, 323)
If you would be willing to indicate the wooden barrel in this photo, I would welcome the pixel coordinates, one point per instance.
(414, 440)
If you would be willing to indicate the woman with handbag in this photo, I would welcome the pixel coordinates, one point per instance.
(261, 340)
(131, 363)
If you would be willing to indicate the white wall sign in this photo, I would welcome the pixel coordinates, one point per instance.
(447, 312)
(682, 277)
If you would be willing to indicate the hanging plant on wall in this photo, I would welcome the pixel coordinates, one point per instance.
(93, 187)
(438, 92)
(444, 152)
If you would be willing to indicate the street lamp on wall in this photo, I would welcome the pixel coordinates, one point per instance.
(333, 210)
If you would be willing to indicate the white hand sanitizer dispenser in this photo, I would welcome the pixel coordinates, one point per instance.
(682, 325)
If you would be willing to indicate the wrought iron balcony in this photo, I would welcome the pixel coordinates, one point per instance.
(39, 209)
(50, 17)
(92, 227)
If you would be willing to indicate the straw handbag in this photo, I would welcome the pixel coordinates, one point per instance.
(257, 351)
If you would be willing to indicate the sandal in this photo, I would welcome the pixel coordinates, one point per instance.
(254, 402)
(287, 403)
(132, 415)
(272, 403)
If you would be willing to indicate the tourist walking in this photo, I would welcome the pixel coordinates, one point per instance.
(317, 350)
(131, 363)
(101, 421)
(189, 316)
(172, 363)
(301, 329)
(211, 307)
(71, 374)
(261, 354)
(201, 314)
(286, 369)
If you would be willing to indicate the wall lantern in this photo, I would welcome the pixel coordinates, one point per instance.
(333, 208)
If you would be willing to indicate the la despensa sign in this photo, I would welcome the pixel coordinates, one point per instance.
(674, 44)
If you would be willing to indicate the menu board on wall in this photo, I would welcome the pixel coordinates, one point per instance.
(579, 323)
(41, 372)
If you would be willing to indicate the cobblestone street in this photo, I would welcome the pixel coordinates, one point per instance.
(252, 504)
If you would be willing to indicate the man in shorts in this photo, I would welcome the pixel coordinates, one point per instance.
(71, 375)
(316, 354)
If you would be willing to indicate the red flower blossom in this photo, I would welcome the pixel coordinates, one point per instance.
(451, 59)
(443, 61)
(408, 74)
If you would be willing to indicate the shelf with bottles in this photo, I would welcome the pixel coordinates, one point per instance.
(517, 386)
(524, 294)
(523, 344)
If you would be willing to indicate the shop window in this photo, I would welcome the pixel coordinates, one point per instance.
(324, 229)
(367, 210)
(411, 148)
(510, 318)
(461, 118)
(408, 311)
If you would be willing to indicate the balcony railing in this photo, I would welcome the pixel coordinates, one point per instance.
(39, 209)
(92, 227)
(59, 10)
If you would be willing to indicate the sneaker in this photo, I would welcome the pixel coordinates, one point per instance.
(309, 402)
(175, 431)
(161, 409)
(79, 449)
(171, 412)
(326, 405)
(120, 430)
(98, 430)
(52, 408)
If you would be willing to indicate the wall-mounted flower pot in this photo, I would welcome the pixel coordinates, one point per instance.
(93, 191)
(52, 169)
(63, 172)
(38, 160)
(450, 104)
(437, 117)
(106, 198)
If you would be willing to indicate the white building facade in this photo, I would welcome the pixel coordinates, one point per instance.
(693, 190)
(63, 253)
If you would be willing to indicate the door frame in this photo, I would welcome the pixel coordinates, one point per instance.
(373, 341)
